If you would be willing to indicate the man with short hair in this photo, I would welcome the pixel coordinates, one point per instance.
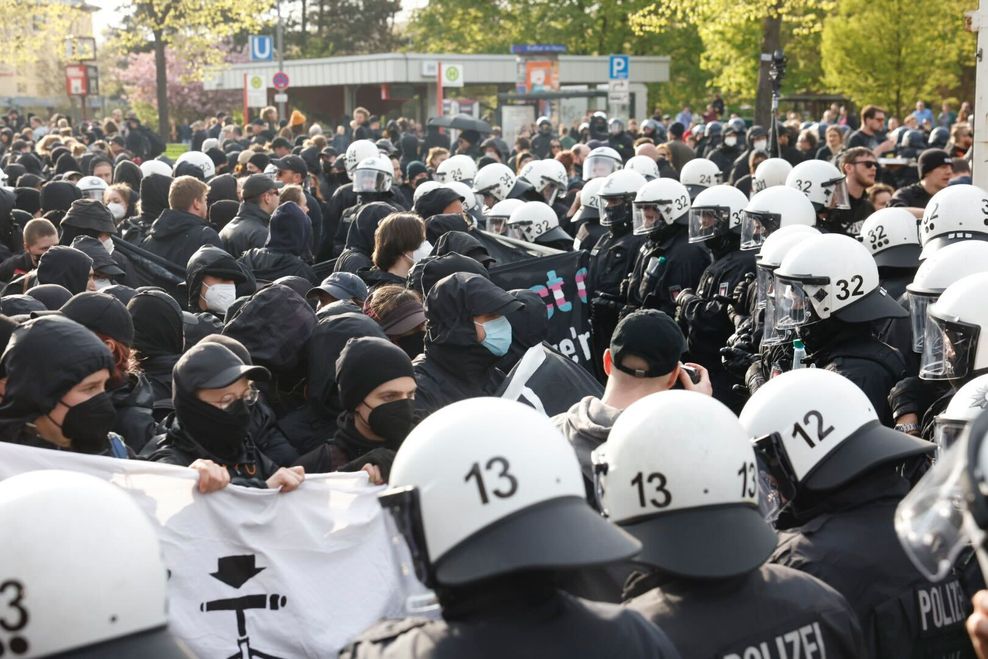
(872, 127)
(40, 235)
(103, 169)
(859, 166)
(924, 115)
(643, 358)
(249, 228)
(181, 228)
(961, 140)
(934, 176)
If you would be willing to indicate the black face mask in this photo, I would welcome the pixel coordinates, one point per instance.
(413, 344)
(221, 432)
(392, 421)
(620, 214)
(327, 169)
(88, 423)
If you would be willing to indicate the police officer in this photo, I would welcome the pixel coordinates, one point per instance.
(61, 602)
(619, 139)
(837, 470)
(827, 289)
(668, 474)
(666, 262)
(344, 197)
(715, 221)
(542, 140)
(825, 187)
(585, 224)
(536, 222)
(489, 523)
(612, 257)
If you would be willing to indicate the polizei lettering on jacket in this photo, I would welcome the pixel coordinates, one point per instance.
(940, 606)
(805, 642)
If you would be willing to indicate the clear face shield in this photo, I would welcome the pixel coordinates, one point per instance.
(756, 227)
(793, 307)
(550, 190)
(772, 335)
(598, 460)
(705, 223)
(948, 349)
(599, 166)
(946, 432)
(835, 194)
(403, 505)
(649, 215)
(498, 225)
(918, 304)
(93, 193)
(776, 477)
(520, 231)
(371, 180)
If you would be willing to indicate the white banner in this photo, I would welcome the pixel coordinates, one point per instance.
(255, 571)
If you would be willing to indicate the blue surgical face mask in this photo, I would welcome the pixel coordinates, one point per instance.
(497, 336)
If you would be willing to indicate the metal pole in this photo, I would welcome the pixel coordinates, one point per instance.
(979, 160)
(439, 89)
(281, 57)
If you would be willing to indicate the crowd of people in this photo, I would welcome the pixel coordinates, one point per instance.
(784, 335)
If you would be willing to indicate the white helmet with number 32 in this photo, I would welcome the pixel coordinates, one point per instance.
(659, 203)
(510, 499)
(958, 212)
(716, 211)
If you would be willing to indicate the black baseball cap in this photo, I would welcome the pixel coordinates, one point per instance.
(650, 335)
(291, 163)
(931, 159)
(280, 142)
(213, 366)
(258, 184)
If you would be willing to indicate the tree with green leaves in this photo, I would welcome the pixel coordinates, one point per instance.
(735, 33)
(895, 52)
(197, 29)
(32, 27)
(324, 28)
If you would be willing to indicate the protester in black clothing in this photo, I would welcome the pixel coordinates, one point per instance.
(158, 343)
(360, 239)
(153, 201)
(288, 240)
(213, 280)
(181, 229)
(66, 267)
(52, 296)
(399, 243)
(934, 175)
(88, 217)
(213, 393)
(249, 228)
(39, 236)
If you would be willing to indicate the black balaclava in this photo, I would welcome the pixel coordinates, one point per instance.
(290, 230)
(431, 269)
(27, 199)
(222, 187)
(154, 196)
(130, 174)
(360, 237)
(438, 225)
(158, 324)
(58, 196)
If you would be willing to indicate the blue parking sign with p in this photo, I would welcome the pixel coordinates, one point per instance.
(619, 67)
(261, 48)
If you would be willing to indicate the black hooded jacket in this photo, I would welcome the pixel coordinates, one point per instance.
(334, 237)
(66, 267)
(454, 365)
(315, 423)
(439, 225)
(58, 196)
(360, 238)
(211, 260)
(130, 174)
(247, 230)
(158, 343)
(134, 403)
(463, 243)
(154, 201)
(288, 240)
(176, 235)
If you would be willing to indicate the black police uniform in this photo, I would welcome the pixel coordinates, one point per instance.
(772, 612)
(850, 542)
(610, 260)
(559, 625)
(666, 264)
(707, 323)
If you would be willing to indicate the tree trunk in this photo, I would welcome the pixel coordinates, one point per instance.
(161, 81)
(771, 42)
(305, 26)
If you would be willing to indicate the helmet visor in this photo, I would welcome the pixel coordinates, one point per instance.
(946, 432)
(764, 282)
(597, 166)
(650, 215)
(835, 194)
(929, 520)
(371, 180)
(498, 225)
(771, 335)
(793, 306)
(403, 505)
(520, 230)
(756, 227)
(93, 193)
(918, 304)
(598, 460)
(947, 349)
(777, 479)
(709, 221)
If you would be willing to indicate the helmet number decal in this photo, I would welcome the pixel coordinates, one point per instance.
(749, 477)
(845, 287)
(706, 179)
(504, 474)
(682, 203)
(804, 185)
(799, 431)
(878, 238)
(660, 488)
(984, 208)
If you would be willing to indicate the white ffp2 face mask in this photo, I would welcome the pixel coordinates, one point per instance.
(219, 297)
(422, 251)
(730, 141)
(107, 245)
(760, 145)
(102, 283)
(117, 210)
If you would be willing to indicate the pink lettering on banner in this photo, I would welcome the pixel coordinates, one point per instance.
(544, 294)
(581, 284)
(555, 283)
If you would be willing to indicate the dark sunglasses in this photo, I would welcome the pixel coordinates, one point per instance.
(870, 164)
